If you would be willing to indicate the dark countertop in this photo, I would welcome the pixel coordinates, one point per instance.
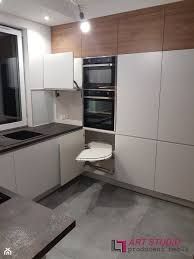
(29, 229)
(48, 131)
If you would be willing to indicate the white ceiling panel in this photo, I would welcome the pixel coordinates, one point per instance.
(64, 11)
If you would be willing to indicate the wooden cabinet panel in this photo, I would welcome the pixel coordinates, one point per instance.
(66, 38)
(102, 39)
(174, 170)
(141, 31)
(135, 161)
(179, 26)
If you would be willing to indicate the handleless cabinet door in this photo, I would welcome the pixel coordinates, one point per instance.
(58, 71)
(135, 161)
(175, 170)
(176, 118)
(7, 172)
(37, 168)
(70, 147)
(138, 87)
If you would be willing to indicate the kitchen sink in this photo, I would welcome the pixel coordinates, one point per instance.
(22, 135)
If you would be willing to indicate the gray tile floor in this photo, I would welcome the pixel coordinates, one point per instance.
(104, 212)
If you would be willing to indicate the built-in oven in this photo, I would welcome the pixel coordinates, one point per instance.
(99, 73)
(99, 109)
(99, 84)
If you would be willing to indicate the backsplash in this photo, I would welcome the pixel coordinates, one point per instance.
(69, 106)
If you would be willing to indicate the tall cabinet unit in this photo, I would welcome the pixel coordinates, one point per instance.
(138, 88)
(175, 166)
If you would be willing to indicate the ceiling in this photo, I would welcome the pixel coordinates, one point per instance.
(64, 11)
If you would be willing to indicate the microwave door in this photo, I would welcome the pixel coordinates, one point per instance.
(98, 76)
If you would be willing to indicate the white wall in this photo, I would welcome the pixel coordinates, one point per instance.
(37, 42)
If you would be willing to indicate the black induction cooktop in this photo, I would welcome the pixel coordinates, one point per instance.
(3, 198)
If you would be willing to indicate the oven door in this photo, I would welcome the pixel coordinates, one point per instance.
(99, 76)
(99, 112)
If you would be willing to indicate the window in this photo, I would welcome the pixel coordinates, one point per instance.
(12, 89)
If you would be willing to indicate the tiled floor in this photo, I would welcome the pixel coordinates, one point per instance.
(104, 212)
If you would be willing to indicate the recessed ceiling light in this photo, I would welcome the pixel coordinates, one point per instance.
(47, 18)
(1, 1)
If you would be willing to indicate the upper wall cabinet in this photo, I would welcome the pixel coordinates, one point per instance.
(138, 88)
(102, 39)
(66, 38)
(176, 123)
(141, 31)
(58, 71)
(179, 26)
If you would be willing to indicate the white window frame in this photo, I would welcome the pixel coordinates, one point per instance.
(23, 122)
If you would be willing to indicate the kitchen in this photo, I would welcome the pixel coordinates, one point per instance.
(96, 127)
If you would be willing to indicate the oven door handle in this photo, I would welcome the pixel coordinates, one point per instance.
(99, 97)
(99, 65)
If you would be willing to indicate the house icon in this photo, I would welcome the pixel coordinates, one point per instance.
(7, 251)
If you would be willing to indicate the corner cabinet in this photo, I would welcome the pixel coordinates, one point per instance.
(37, 168)
(58, 71)
(70, 147)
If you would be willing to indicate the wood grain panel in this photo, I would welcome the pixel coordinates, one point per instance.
(141, 31)
(102, 39)
(179, 26)
(66, 38)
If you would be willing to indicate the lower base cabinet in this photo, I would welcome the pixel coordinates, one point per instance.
(70, 147)
(135, 161)
(7, 173)
(175, 170)
(37, 168)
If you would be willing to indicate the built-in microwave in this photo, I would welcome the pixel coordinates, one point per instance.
(99, 73)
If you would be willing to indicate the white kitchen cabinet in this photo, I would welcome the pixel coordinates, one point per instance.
(175, 170)
(78, 72)
(70, 147)
(135, 161)
(176, 120)
(59, 71)
(7, 173)
(37, 168)
(138, 87)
